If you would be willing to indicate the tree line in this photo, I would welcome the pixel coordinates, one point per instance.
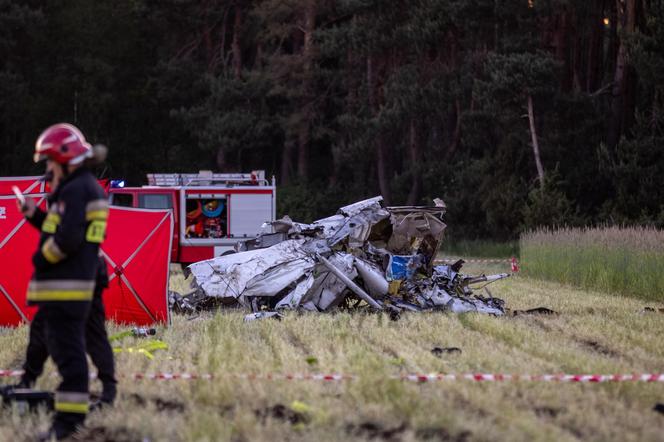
(517, 113)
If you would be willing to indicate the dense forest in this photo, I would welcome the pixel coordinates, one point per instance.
(516, 112)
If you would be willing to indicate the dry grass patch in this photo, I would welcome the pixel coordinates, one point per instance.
(592, 334)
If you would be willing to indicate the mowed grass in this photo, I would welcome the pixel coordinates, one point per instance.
(626, 261)
(593, 333)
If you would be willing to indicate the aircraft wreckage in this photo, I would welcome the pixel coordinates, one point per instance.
(365, 256)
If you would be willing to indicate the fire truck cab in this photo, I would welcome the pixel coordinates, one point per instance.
(212, 211)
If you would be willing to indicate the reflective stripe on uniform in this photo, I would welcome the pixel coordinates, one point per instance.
(60, 290)
(96, 210)
(51, 222)
(72, 402)
(59, 295)
(97, 215)
(62, 284)
(52, 252)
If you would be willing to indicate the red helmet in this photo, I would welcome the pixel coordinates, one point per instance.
(62, 143)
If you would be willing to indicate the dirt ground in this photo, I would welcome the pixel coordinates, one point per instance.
(592, 333)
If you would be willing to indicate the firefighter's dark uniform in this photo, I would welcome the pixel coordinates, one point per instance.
(96, 344)
(66, 266)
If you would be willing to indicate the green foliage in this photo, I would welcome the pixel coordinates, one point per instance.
(479, 248)
(626, 261)
(236, 117)
(441, 85)
(548, 206)
(513, 77)
(302, 202)
(19, 22)
(307, 202)
(646, 50)
(636, 168)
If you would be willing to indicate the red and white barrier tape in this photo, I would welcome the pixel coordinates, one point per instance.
(469, 377)
(453, 260)
(512, 261)
(536, 378)
(171, 376)
(335, 377)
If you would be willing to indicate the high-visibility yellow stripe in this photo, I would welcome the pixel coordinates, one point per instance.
(96, 232)
(50, 256)
(52, 252)
(72, 407)
(61, 284)
(51, 222)
(96, 215)
(72, 401)
(59, 295)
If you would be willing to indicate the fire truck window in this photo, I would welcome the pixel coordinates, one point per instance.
(155, 201)
(206, 218)
(122, 199)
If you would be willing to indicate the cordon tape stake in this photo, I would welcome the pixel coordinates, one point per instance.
(335, 377)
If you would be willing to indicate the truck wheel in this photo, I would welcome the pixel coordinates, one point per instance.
(228, 252)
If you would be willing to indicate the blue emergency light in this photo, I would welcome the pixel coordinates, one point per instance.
(117, 184)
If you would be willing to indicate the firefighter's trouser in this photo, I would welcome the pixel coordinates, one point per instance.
(99, 349)
(96, 344)
(64, 327)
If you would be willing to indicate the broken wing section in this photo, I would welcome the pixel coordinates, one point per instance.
(261, 272)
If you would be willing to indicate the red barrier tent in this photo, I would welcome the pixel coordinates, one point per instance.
(33, 184)
(18, 241)
(27, 184)
(136, 250)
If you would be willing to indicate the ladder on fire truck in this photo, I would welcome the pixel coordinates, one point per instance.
(207, 178)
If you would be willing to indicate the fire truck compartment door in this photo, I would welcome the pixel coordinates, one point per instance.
(248, 212)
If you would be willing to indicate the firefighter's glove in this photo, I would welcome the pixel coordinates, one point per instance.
(27, 208)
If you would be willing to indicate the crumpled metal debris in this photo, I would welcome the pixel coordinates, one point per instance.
(365, 256)
(262, 315)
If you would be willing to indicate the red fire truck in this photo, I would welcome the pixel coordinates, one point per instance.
(212, 211)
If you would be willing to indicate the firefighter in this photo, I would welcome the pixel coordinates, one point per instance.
(96, 343)
(96, 338)
(66, 265)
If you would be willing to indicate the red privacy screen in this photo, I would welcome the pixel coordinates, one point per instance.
(136, 251)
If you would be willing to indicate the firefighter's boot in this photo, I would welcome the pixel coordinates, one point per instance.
(108, 393)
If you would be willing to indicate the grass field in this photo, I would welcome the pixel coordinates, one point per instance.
(593, 333)
(626, 261)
